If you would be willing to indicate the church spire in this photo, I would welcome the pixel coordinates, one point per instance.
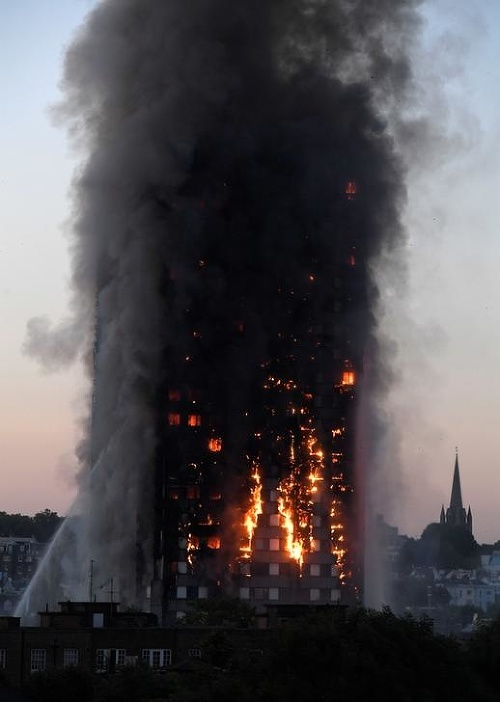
(456, 504)
(456, 515)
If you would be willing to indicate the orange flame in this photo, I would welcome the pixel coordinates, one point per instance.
(252, 514)
(215, 444)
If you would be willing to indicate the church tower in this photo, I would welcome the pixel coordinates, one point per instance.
(456, 515)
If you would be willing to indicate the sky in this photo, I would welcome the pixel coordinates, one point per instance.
(444, 321)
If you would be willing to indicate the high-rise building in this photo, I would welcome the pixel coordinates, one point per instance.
(255, 465)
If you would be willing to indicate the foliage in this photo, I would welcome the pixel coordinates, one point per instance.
(41, 526)
(55, 685)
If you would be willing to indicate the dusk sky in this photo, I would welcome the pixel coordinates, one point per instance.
(446, 324)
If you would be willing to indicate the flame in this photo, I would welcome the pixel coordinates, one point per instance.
(174, 419)
(192, 545)
(348, 377)
(215, 444)
(296, 493)
(252, 514)
(194, 420)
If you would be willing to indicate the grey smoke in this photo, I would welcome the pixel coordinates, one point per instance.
(148, 84)
(53, 347)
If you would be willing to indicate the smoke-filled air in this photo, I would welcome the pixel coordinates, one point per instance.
(239, 184)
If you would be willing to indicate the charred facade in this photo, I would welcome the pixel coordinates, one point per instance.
(255, 487)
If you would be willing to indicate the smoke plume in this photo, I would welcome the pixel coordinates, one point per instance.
(217, 136)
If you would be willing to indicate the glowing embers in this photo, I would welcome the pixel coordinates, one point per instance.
(337, 536)
(338, 490)
(351, 190)
(252, 514)
(280, 384)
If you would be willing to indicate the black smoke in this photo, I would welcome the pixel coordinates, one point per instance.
(218, 137)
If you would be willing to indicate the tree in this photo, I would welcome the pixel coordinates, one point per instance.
(45, 524)
(42, 526)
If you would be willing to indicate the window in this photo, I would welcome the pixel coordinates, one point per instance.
(38, 659)
(109, 658)
(314, 594)
(335, 596)
(244, 593)
(274, 593)
(215, 444)
(315, 569)
(274, 520)
(174, 395)
(3, 658)
(274, 544)
(70, 657)
(194, 652)
(194, 420)
(174, 419)
(274, 569)
(181, 592)
(157, 657)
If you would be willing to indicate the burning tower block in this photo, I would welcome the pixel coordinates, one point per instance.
(239, 185)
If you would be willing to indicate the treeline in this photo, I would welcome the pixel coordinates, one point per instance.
(355, 657)
(42, 525)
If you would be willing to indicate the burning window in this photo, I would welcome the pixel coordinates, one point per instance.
(174, 419)
(351, 189)
(213, 542)
(174, 395)
(348, 377)
(215, 444)
(193, 492)
(194, 420)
